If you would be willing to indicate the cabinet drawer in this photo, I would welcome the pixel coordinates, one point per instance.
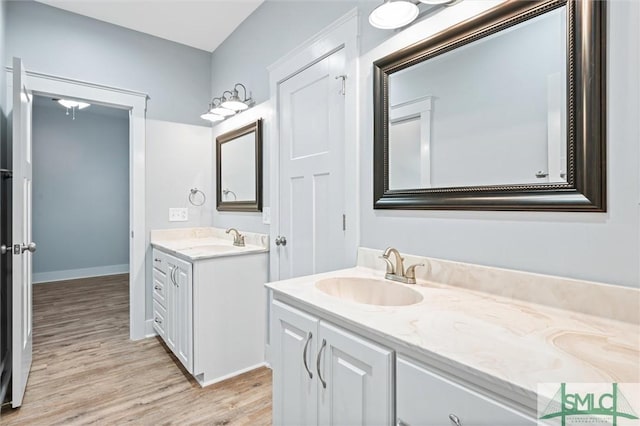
(159, 260)
(159, 319)
(159, 288)
(424, 398)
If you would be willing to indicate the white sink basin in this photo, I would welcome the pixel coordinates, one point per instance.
(369, 291)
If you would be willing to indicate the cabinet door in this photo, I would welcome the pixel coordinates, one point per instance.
(183, 304)
(170, 289)
(356, 381)
(424, 398)
(294, 377)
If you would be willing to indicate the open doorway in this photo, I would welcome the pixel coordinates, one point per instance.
(80, 220)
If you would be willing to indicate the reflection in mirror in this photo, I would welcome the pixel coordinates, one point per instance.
(492, 112)
(239, 169)
(504, 111)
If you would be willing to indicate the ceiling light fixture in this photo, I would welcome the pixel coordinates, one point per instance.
(72, 105)
(226, 106)
(393, 14)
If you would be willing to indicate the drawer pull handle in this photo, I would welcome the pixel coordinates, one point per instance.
(158, 321)
(324, 343)
(158, 287)
(304, 355)
(455, 420)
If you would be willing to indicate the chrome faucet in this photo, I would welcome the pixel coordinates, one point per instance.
(238, 238)
(396, 272)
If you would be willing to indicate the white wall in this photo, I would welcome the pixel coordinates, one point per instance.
(592, 246)
(80, 191)
(179, 157)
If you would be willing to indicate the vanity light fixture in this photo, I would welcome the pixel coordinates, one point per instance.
(72, 105)
(393, 14)
(223, 107)
(234, 102)
(437, 2)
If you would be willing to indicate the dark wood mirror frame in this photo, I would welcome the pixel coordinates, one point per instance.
(585, 189)
(240, 206)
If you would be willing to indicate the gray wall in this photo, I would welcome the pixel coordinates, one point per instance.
(601, 247)
(54, 41)
(80, 190)
(273, 30)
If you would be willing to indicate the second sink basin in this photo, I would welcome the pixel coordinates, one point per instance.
(369, 291)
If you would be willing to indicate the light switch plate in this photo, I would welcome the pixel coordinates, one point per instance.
(178, 215)
(266, 215)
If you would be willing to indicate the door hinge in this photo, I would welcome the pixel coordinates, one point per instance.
(131, 234)
(344, 222)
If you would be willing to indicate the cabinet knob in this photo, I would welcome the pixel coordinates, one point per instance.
(158, 321)
(157, 287)
(455, 420)
(157, 260)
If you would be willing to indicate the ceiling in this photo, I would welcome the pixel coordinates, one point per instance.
(203, 24)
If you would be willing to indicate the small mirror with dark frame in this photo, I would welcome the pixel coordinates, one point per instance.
(505, 111)
(239, 169)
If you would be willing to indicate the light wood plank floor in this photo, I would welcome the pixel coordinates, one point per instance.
(86, 370)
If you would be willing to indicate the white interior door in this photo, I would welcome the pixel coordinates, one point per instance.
(23, 247)
(311, 121)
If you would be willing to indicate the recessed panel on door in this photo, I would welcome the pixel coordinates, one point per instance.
(310, 116)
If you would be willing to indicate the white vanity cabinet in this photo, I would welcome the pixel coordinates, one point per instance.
(426, 398)
(210, 311)
(323, 374)
(173, 305)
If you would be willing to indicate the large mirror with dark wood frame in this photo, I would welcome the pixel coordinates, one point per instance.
(505, 111)
(239, 169)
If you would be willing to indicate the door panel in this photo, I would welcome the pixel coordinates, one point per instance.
(184, 334)
(294, 392)
(359, 380)
(311, 113)
(21, 105)
(171, 328)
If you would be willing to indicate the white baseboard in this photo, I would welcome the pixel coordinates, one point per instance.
(205, 383)
(148, 329)
(72, 274)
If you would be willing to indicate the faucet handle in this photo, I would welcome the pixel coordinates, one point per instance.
(390, 268)
(411, 272)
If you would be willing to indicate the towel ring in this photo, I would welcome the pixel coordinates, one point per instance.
(192, 196)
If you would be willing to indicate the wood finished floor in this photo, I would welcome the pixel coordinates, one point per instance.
(86, 370)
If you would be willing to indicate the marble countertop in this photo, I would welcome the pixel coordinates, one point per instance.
(206, 243)
(505, 341)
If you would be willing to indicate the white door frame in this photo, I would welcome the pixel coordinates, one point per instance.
(136, 103)
(342, 33)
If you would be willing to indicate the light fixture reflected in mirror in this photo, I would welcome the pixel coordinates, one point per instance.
(230, 103)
